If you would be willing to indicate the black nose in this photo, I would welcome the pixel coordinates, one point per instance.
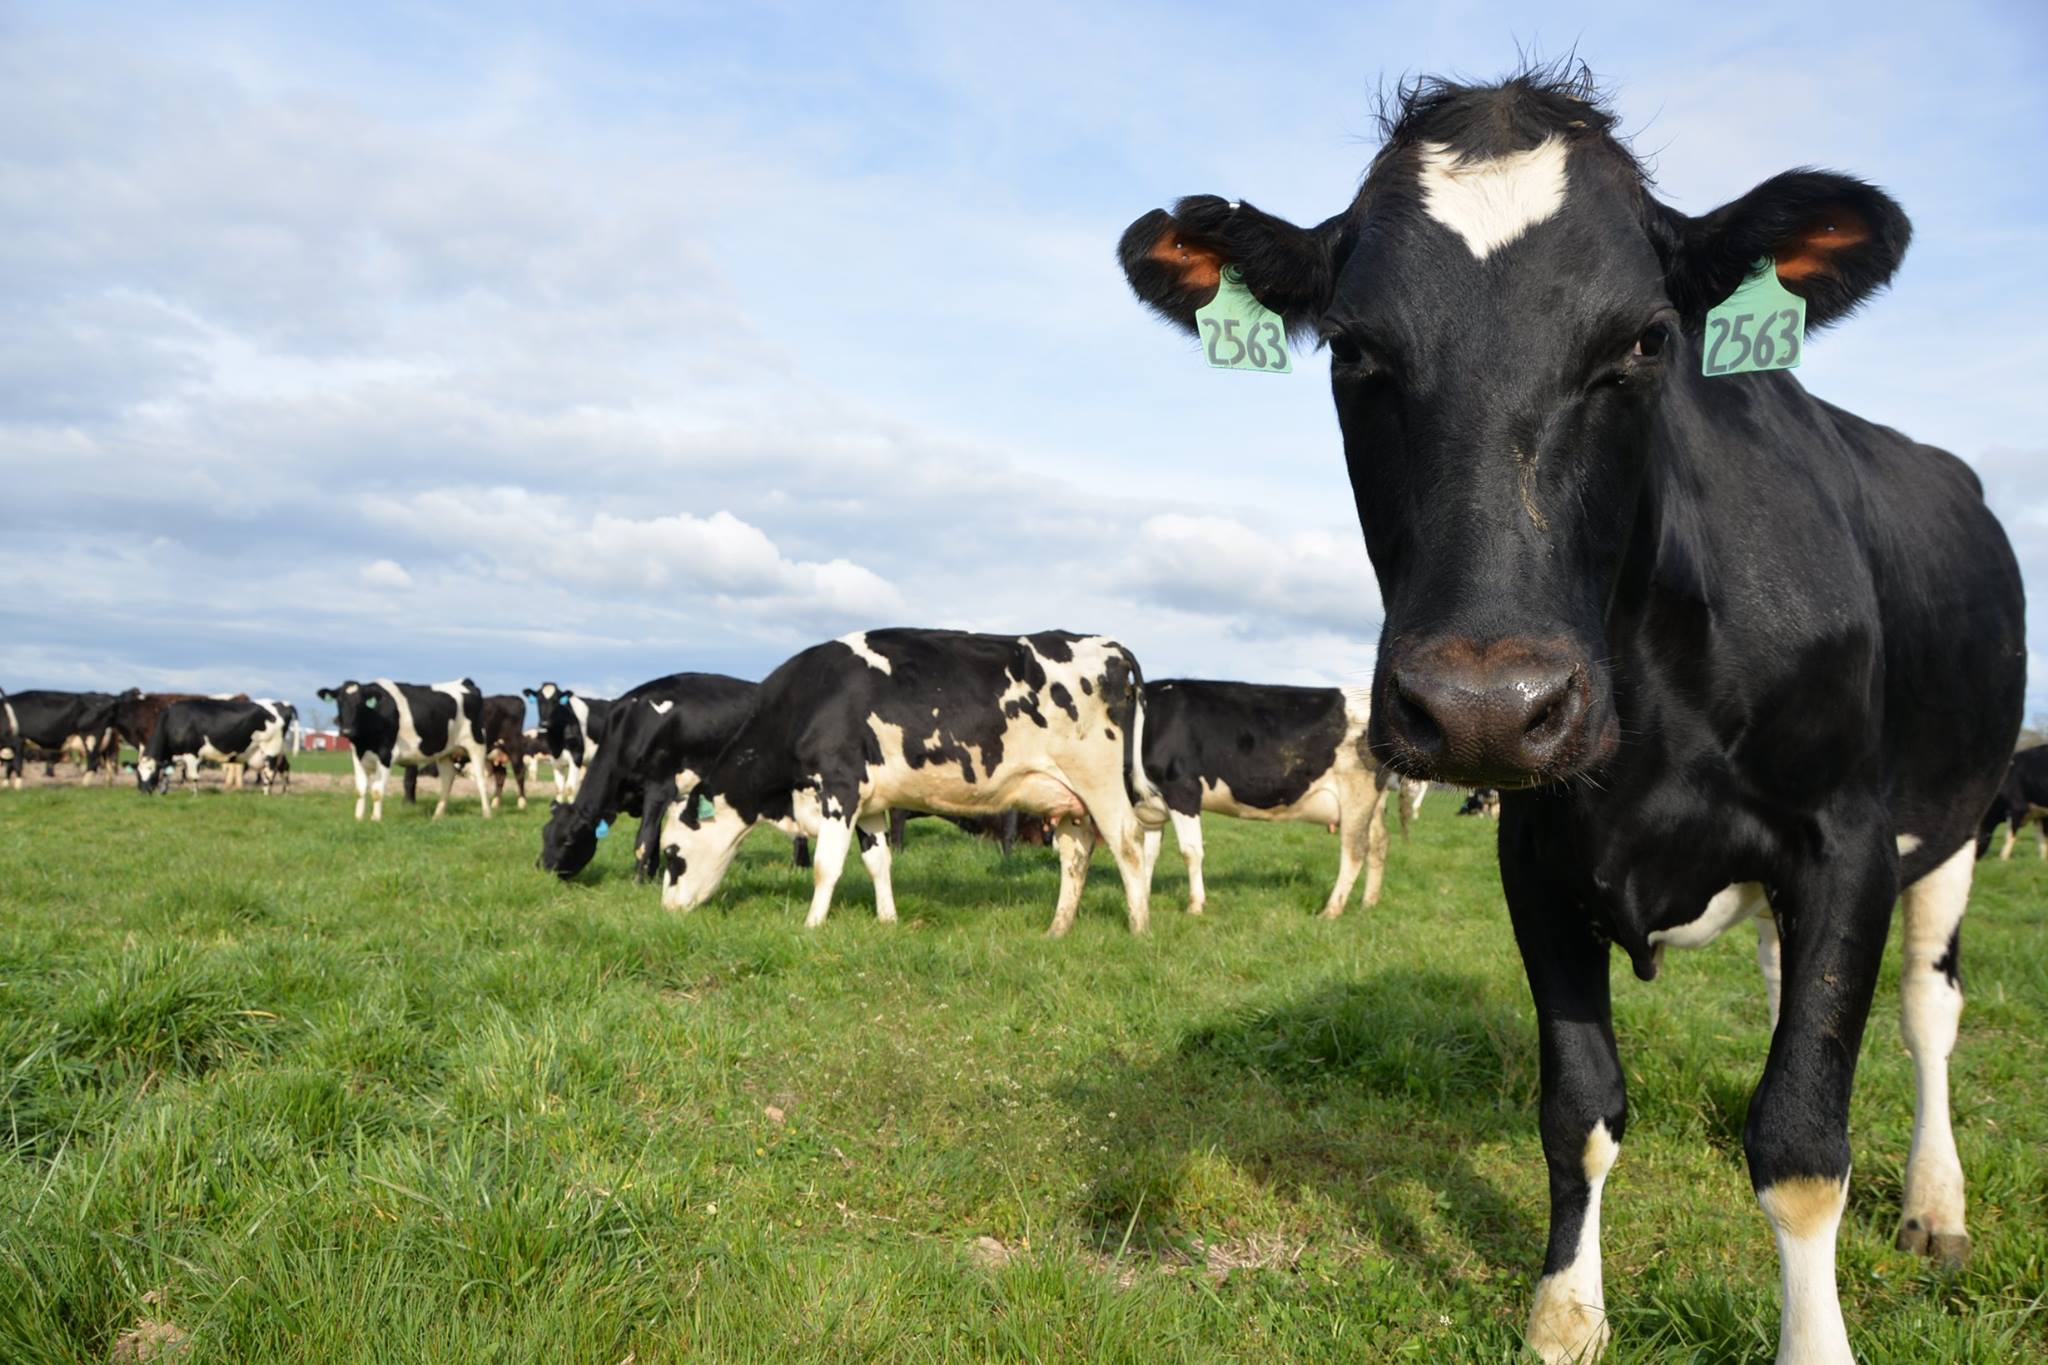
(1503, 714)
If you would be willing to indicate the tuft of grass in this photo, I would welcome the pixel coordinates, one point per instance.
(299, 1089)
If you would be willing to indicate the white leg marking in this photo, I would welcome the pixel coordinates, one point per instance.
(876, 858)
(1805, 1212)
(379, 781)
(1569, 1321)
(1125, 836)
(1930, 1006)
(1768, 962)
(447, 780)
(1072, 837)
(828, 859)
(480, 773)
(1187, 834)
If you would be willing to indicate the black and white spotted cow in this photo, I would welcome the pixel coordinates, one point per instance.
(1725, 648)
(2022, 800)
(932, 720)
(658, 737)
(57, 721)
(573, 727)
(408, 724)
(504, 746)
(1263, 752)
(241, 735)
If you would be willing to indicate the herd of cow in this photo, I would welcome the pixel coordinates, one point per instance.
(1729, 653)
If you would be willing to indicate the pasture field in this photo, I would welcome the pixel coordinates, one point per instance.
(299, 1089)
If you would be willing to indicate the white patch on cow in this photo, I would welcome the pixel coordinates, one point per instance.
(858, 643)
(1730, 906)
(1490, 201)
(707, 851)
(1569, 1319)
(580, 709)
(662, 708)
(1769, 961)
(1908, 843)
(1931, 1007)
(1805, 1211)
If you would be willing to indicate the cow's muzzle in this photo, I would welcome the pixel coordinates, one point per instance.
(1514, 712)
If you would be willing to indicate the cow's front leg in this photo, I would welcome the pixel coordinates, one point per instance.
(479, 773)
(362, 781)
(1832, 921)
(828, 859)
(1930, 1008)
(1584, 1108)
(1074, 840)
(444, 775)
(873, 832)
(379, 781)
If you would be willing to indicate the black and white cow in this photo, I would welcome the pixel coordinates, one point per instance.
(55, 721)
(1727, 650)
(1263, 752)
(2022, 800)
(658, 737)
(573, 726)
(243, 735)
(933, 720)
(504, 749)
(408, 724)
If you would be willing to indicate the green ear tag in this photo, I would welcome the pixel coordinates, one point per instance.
(704, 810)
(1761, 326)
(1240, 333)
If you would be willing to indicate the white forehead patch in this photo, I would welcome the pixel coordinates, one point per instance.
(1492, 201)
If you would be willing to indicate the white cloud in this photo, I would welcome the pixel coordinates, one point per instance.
(385, 573)
(1261, 583)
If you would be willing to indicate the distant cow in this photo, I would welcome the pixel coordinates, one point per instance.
(658, 737)
(48, 720)
(408, 724)
(2022, 800)
(238, 734)
(573, 726)
(932, 720)
(504, 746)
(1263, 752)
(1482, 801)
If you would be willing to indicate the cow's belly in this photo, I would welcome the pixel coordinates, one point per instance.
(943, 791)
(1318, 805)
(209, 754)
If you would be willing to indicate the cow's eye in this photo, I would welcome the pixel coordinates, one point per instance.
(1351, 359)
(1651, 343)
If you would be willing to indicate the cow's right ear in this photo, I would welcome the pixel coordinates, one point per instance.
(1174, 261)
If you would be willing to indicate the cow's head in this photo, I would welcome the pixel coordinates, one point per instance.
(568, 841)
(362, 711)
(698, 841)
(152, 776)
(1510, 316)
(557, 718)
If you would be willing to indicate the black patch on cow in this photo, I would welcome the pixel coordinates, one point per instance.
(673, 861)
(1269, 743)
(1087, 688)
(1950, 963)
(1064, 699)
(1056, 645)
(863, 838)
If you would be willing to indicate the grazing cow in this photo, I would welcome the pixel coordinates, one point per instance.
(2022, 800)
(658, 737)
(55, 721)
(238, 734)
(1262, 752)
(1482, 801)
(573, 726)
(1728, 650)
(932, 720)
(409, 724)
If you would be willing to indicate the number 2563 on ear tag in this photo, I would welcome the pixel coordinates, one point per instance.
(1240, 333)
(1761, 326)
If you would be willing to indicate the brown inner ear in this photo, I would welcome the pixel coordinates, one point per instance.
(1811, 250)
(1198, 267)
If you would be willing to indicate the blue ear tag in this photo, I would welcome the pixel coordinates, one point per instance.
(604, 827)
(370, 702)
(704, 810)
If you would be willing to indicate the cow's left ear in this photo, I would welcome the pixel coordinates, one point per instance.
(1174, 261)
(1836, 241)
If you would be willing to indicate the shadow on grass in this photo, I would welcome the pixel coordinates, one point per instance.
(1359, 1093)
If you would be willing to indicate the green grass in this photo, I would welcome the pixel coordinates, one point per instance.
(315, 1091)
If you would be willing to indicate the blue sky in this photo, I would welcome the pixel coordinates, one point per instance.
(594, 342)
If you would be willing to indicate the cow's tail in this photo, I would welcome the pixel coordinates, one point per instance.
(1146, 799)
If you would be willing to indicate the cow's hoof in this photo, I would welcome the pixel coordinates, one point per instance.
(1331, 912)
(1568, 1334)
(1195, 907)
(1948, 1250)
